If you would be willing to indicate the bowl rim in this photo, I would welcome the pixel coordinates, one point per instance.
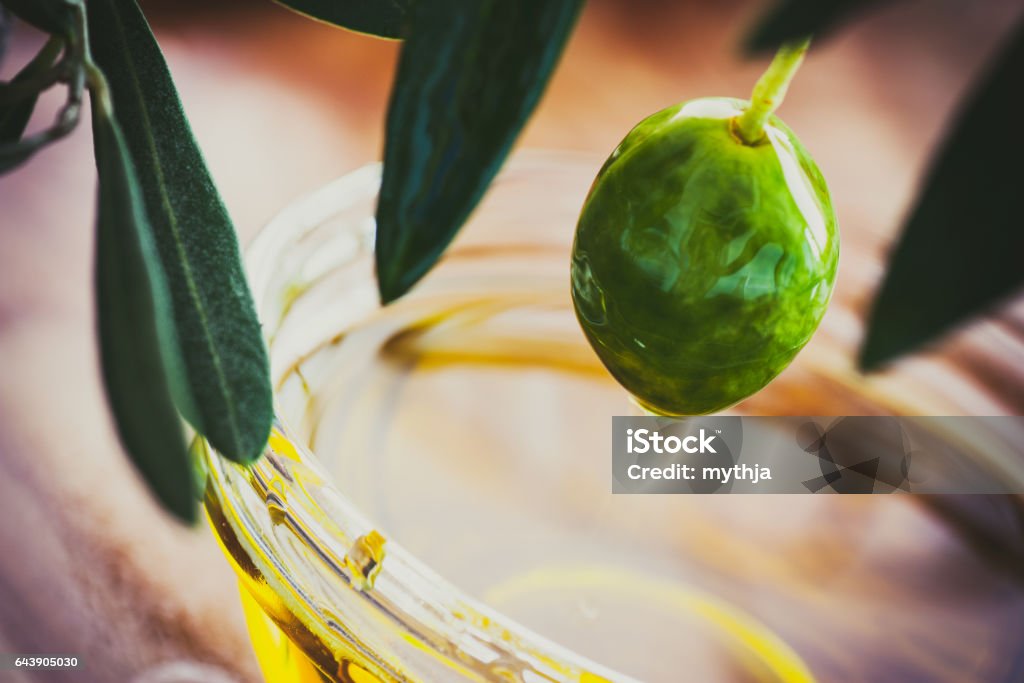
(402, 587)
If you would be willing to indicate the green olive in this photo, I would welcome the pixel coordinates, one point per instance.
(702, 264)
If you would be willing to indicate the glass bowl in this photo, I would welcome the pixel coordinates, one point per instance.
(464, 431)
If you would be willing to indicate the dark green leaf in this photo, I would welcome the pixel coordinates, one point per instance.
(962, 249)
(12, 157)
(15, 116)
(51, 16)
(222, 344)
(132, 297)
(383, 18)
(469, 76)
(5, 31)
(790, 20)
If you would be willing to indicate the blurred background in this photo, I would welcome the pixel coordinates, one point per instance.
(281, 105)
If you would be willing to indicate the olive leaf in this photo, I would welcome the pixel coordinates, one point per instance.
(51, 16)
(221, 343)
(469, 76)
(383, 18)
(962, 249)
(5, 31)
(789, 20)
(14, 117)
(132, 298)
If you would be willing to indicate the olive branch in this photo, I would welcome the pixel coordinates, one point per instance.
(177, 329)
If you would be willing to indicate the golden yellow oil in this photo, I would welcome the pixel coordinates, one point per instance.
(472, 375)
(287, 651)
(520, 346)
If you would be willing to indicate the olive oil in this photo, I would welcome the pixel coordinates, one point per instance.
(390, 409)
(469, 422)
(286, 649)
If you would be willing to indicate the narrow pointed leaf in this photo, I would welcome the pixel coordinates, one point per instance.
(383, 18)
(789, 20)
(221, 341)
(14, 117)
(51, 16)
(12, 157)
(962, 249)
(5, 32)
(469, 76)
(131, 293)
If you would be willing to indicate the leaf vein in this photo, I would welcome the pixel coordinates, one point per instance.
(193, 290)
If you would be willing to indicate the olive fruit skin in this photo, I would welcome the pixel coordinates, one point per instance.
(702, 265)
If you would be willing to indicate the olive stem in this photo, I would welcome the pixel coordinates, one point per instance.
(770, 91)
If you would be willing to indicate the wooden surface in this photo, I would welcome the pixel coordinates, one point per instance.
(281, 105)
